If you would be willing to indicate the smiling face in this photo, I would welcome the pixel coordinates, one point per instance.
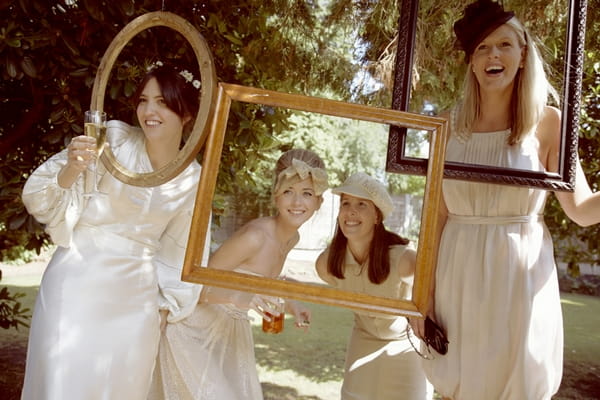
(297, 202)
(496, 60)
(159, 123)
(357, 217)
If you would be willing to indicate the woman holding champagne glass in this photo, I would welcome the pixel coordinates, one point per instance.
(95, 327)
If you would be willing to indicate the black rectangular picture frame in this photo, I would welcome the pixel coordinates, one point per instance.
(563, 180)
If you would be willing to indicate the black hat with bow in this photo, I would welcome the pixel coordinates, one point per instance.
(479, 20)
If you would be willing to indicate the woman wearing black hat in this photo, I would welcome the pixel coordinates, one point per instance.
(496, 288)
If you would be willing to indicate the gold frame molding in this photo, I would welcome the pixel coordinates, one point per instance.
(193, 271)
(208, 95)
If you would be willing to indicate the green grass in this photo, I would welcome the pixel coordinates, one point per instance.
(581, 316)
(295, 360)
(581, 372)
(298, 365)
(307, 365)
(317, 353)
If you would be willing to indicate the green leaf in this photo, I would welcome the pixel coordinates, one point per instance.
(129, 89)
(11, 68)
(13, 42)
(79, 72)
(28, 67)
(233, 39)
(73, 48)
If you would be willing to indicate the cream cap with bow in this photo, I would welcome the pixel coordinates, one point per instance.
(364, 186)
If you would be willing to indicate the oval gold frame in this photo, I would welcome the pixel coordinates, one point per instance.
(208, 95)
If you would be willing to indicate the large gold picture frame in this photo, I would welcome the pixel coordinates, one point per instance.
(193, 271)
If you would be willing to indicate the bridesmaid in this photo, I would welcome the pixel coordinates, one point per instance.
(210, 355)
(365, 257)
(95, 327)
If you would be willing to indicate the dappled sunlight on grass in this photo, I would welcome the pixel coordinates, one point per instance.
(581, 372)
(304, 365)
(581, 316)
(317, 354)
(276, 392)
(295, 365)
(571, 303)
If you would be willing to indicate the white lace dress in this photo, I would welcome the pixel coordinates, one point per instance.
(209, 355)
(496, 284)
(95, 327)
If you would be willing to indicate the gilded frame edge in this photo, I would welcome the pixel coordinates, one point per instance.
(193, 271)
(208, 77)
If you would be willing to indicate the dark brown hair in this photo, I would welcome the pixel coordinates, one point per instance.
(379, 260)
(180, 96)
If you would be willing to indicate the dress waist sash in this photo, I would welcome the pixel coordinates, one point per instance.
(498, 220)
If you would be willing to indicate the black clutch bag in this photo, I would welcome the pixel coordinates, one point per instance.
(435, 337)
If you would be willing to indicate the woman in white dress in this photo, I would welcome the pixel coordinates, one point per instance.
(210, 355)
(365, 257)
(496, 288)
(95, 327)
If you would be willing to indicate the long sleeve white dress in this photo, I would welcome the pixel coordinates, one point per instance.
(496, 290)
(95, 327)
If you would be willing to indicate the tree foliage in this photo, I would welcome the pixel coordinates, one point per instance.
(49, 54)
(11, 313)
(50, 51)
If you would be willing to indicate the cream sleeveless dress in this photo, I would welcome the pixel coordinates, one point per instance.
(496, 284)
(380, 361)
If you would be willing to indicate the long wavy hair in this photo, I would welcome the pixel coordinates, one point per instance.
(530, 93)
(379, 260)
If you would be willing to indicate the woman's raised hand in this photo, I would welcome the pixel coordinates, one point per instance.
(81, 152)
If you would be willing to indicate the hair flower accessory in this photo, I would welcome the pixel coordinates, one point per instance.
(189, 78)
(185, 74)
(154, 65)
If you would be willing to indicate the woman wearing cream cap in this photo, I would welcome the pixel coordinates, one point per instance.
(365, 257)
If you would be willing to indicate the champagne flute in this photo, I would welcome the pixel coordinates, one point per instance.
(95, 126)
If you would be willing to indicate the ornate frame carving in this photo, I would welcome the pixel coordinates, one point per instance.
(564, 179)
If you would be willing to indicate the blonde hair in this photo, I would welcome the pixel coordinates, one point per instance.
(310, 159)
(530, 92)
